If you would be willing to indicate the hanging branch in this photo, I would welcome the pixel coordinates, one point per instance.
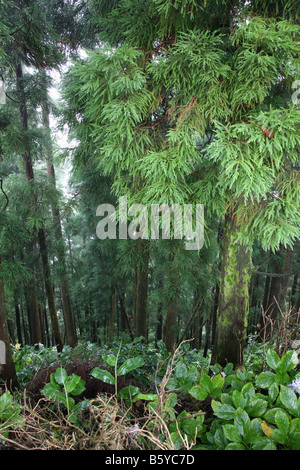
(5, 195)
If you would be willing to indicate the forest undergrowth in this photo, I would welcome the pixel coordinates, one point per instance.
(131, 396)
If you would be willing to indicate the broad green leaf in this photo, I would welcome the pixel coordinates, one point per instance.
(257, 407)
(235, 446)
(216, 385)
(103, 375)
(193, 374)
(60, 375)
(74, 384)
(289, 360)
(282, 421)
(272, 359)
(198, 392)
(219, 439)
(295, 441)
(273, 391)
(265, 379)
(181, 371)
(241, 420)
(130, 364)
(223, 410)
(128, 392)
(172, 400)
(279, 436)
(176, 440)
(290, 401)
(270, 415)
(238, 399)
(264, 443)
(6, 400)
(80, 387)
(232, 433)
(252, 430)
(206, 383)
(189, 427)
(145, 396)
(50, 390)
(172, 384)
(110, 359)
(248, 391)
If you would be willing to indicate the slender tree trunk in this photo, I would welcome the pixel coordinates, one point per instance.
(33, 313)
(172, 310)
(18, 323)
(171, 322)
(71, 336)
(125, 324)
(49, 290)
(287, 268)
(25, 329)
(233, 306)
(41, 232)
(112, 312)
(141, 301)
(278, 285)
(215, 311)
(266, 293)
(7, 370)
(159, 326)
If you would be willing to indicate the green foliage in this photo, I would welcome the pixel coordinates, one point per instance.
(9, 414)
(264, 421)
(119, 370)
(61, 386)
(233, 409)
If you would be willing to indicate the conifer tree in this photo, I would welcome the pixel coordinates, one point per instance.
(190, 101)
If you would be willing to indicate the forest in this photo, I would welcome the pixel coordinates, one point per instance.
(149, 225)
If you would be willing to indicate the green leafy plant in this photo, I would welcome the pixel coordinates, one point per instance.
(9, 414)
(258, 413)
(119, 370)
(61, 386)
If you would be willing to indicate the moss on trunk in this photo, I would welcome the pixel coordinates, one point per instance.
(233, 307)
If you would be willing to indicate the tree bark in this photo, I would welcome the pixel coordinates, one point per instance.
(112, 312)
(49, 290)
(33, 312)
(233, 308)
(18, 323)
(172, 310)
(276, 287)
(141, 300)
(7, 370)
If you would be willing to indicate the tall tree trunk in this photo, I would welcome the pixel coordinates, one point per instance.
(141, 300)
(33, 312)
(41, 232)
(172, 310)
(71, 336)
(18, 323)
(7, 369)
(275, 302)
(125, 324)
(159, 325)
(49, 290)
(112, 312)
(233, 305)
